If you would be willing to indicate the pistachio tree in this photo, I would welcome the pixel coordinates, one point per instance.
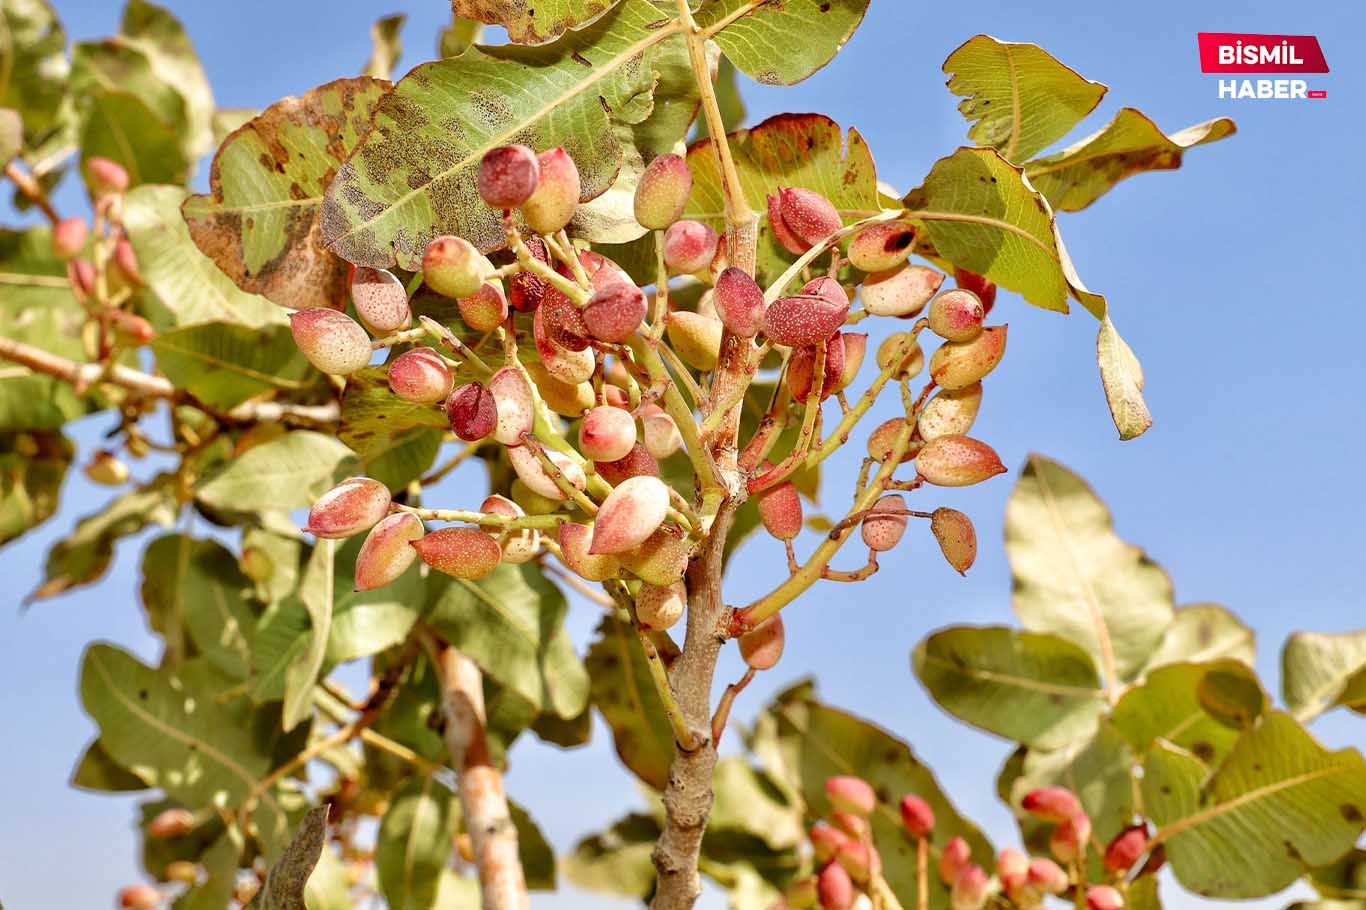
(564, 257)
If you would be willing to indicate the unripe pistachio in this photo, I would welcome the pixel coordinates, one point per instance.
(529, 469)
(130, 329)
(970, 889)
(852, 824)
(106, 469)
(615, 395)
(916, 816)
(883, 437)
(532, 503)
(606, 434)
(552, 204)
(472, 412)
(802, 893)
(886, 522)
(569, 367)
(801, 218)
(1047, 876)
(485, 309)
(420, 376)
(662, 436)
(689, 247)
(105, 176)
(81, 274)
(637, 462)
(181, 870)
(123, 266)
(630, 514)
(614, 311)
(1126, 848)
(956, 315)
(855, 859)
(662, 558)
(516, 405)
(958, 364)
(526, 289)
(381, 300)
(387, 551)
(1012, 868)
(139, 897)
(763, 645)
(452, 267)
(912, 362)
(826, 840)
(835, 888)
(901, 292)
(957, 538)
(983, 287)
(659, 607)
(695, 338)
(508, 176)
(802, 365)
(466, 553)
(576, 542)
(519, 545)
(848, 793)
(662, 192)
(806, 319)
(739, 303)
(332, 341)
(953, 859)
(1103, 897)
(350, 507)
(171, 823)
(951, 412)
(68, 238)
(780, 509)
(561, 321)
(1069, 838)
(958, 461)
(1054, 804)
(855, 347)
(879, 247)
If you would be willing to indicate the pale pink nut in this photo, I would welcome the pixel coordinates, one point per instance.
(1047, 876)
(472, 412)
(171, 823)
(826, 840)
(882, 441)
(662, 436)
(508, 176)
(662, 558)
(956, 536)
(381, 300)
(1125, 848)
(885, 523)
(519, 545)
(81, 274)
(835, 888)
(615, 395)
(526, 289)
(1069, 838)
(68, 238)
(662, 192)
(452, 267)
(856, 826)
(901, 292)
(780, 510)
(630, 514)
(560, 321)
(105, 176)
(552, 204)
(848, 793)
(1012, 868)
(569, 367)
(916, 816)
(912, 357)
(516, 405)
(739, 303)
(601, 270)
(689, 247)
(953, 859)
(466, 553)
(576, 541)
(801, 367)
(606, 434)
(1054, 804)
(970, 889)
(810, 317)
(659, 607)
(958, 461)
(529, 469)
(420, 376)
(614, 311)
(125, 262)
(132, 330)
(637, 462)
(855, 349)
(485, 309)
(956, 315)
(350, 507)
(801, 218)
(333, 342)
(1103, 897)
(958, 364)
(982, 286)
(695, 338)
(951, 412)
(879, 247)
(139, 897)
(761, 646)
(856, 860)
(387, 551)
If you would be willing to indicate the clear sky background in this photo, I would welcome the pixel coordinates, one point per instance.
(1235, 279)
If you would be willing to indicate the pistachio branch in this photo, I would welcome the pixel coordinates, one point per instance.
(31, 190)
(485, 519)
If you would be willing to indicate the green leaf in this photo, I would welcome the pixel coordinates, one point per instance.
(1204, 632)
(197, 585)
(386, 47)
(512, 624)
(1019, 99)
(457, 37)
(259, 222)
(746, 800)
(1036, 689)
(1344, 880)
(33, 55)
(288, 472)
(981, 214)
(187, 284)
(120, 126)
(223, 364)
(1121, 376)
(414, 843)
(781, 43)
(1188, 705)
(32, 468)
(114, 66)
(1278, 803)
(616, 861)
(622, 690)
(317, 592)
(1076, 578)
(396, 440)
(1321, 671)
(158, 34)
(1130, 144)
(531, 24)
(285, 883)
(535, 852)
(96, 770)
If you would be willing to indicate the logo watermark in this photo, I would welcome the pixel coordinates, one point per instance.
(1238, 53)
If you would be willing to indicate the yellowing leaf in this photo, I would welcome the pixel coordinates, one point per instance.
(1122, 378)
(1319, 671)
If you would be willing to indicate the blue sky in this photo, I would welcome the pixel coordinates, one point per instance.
(1231, 278)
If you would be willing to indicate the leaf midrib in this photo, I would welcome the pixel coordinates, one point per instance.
(1020, 682)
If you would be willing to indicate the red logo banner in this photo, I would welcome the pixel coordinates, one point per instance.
(1232, 52)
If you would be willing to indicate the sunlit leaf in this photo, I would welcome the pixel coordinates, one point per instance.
(113, 65)
(1319, 671)
(33, 54)
(1204, 632)
(616, 861)
(1122, 378)
(781, 43)
(1168, 706)
(289, 472)
(120, 126)
(414, 843)
(197, 585)
(531, 24)
(223, 364)
(158, 34)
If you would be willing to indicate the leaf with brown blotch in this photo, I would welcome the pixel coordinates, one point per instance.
(260, 220)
